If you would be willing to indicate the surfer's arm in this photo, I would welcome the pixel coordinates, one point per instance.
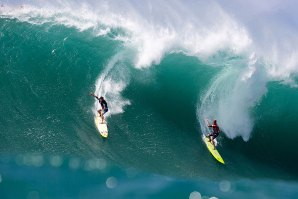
(92, 94)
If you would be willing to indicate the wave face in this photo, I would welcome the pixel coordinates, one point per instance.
(163, 67)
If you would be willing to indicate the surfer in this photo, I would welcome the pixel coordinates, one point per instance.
(104, 106)
(215, 132)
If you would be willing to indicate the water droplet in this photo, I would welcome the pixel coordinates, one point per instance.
(225, 186)
(195, 195)
(111, 182)
(56, 161)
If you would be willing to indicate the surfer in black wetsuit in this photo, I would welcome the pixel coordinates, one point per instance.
(104, 106)
(215, 132)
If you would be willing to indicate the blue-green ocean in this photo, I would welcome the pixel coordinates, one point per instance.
(163, 67)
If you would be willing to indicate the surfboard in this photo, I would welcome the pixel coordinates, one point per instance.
(102, 126)
(211, 147)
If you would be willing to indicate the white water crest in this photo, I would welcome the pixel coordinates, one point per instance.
(231, 95)
(111, 83)
(264, 34)
(153, 27)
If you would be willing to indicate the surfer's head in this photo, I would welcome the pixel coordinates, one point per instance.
(101, 98)
(214, 122)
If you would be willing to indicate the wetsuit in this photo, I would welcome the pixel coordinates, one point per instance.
(104, 106)
(215, 132)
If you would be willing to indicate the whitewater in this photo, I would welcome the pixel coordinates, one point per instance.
(163, 67)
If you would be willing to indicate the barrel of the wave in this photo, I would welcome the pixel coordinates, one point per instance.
(211, 147)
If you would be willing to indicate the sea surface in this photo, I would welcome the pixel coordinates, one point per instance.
(163, 67)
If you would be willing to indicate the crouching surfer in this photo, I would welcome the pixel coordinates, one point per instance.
(104, 106)
(215, 132)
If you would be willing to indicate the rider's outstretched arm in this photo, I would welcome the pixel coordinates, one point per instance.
(92, 94)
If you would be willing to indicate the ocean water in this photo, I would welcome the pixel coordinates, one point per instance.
(163, 68)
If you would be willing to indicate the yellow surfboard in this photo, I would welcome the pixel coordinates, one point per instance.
(102, 126)
(213, 150)
(211, 147)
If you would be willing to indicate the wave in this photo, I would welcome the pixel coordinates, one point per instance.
(152, 61)
(196, 28)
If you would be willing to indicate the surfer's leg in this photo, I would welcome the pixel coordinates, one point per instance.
(104, 112)
(210, 135)
(213, 138)
(100, 115)
(212, 141)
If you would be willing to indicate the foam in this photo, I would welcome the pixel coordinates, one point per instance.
(232, 94)
(110, 84)
(198, 28)
(153, 30)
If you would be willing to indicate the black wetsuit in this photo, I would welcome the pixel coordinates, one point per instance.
(104, 106)
(215, 132)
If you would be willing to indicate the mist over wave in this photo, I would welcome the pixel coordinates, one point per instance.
(111, 83)
(251, 43)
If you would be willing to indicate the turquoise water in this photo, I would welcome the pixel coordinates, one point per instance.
(50, 148)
